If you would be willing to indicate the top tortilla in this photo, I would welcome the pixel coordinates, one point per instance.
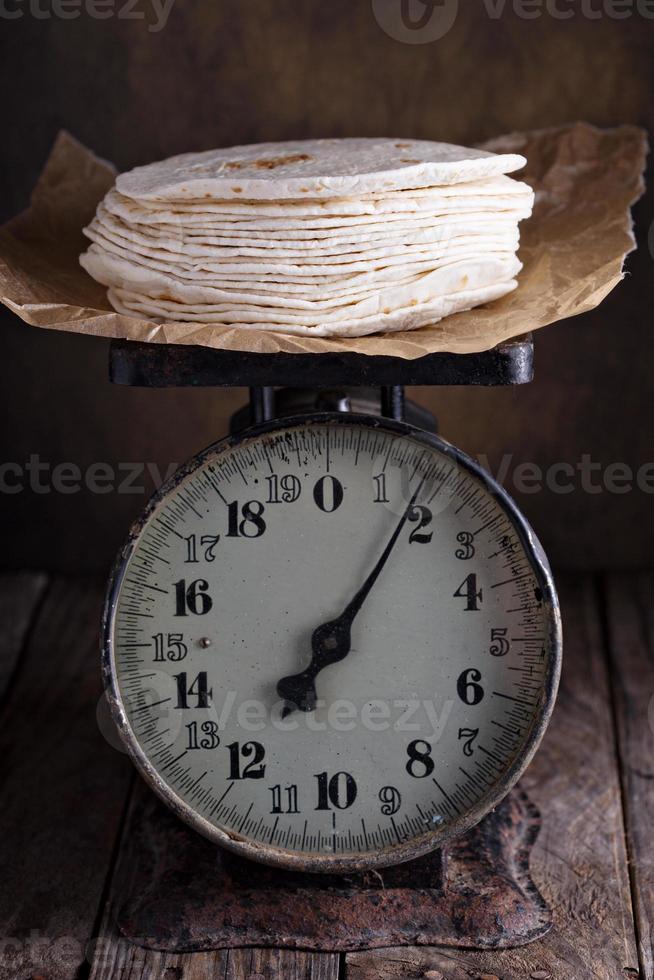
(303, 169)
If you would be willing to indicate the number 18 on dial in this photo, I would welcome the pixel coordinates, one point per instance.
(331, 643)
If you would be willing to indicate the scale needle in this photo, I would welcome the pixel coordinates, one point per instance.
(331, 641)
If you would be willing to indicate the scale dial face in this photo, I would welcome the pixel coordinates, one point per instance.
(331, 643)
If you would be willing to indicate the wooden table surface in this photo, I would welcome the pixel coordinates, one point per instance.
(66, 789)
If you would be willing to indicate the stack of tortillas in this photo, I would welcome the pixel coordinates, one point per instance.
(327, 237)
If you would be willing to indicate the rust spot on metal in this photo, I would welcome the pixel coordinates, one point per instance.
(180, 893)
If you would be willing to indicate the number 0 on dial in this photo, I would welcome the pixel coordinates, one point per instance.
(331, 643)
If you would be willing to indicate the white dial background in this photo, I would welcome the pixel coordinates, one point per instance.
(453, 661)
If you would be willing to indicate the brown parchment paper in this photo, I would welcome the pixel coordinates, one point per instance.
(573, 250)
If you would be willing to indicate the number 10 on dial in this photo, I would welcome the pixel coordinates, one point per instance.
(331, 643)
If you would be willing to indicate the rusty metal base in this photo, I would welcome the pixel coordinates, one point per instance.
(179, 893)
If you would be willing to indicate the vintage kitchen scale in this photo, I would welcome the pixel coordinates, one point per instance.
(331, 644)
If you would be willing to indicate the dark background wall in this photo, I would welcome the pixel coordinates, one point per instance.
(228, 71)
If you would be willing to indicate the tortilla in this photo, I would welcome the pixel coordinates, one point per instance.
(411, 319)
(332, 253)
(98, 260)
(468, 195)
(316, 169)
(177, 240)
(332, 237)
(460, 271)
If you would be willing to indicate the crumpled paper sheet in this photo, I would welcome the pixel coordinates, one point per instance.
(573, 250)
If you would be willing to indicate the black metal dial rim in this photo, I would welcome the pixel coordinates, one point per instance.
(393, 854)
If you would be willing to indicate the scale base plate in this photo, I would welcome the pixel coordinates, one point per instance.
(179, 893)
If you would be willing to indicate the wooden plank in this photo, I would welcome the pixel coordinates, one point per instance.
(630, 611)
(63, 791)
(120, 959)
(579, 861)
(115, 957)
(20, 593)
(271, 964)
